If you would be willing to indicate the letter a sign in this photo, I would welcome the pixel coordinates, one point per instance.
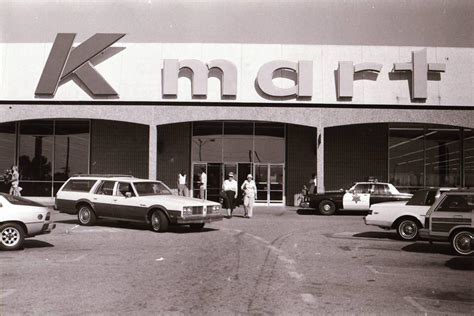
(64, 60)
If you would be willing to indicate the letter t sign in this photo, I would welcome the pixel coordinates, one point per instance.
(419, 71)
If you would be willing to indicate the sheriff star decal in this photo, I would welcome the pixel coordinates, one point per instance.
(356, 198)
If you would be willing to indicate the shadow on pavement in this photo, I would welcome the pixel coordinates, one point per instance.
(377, 235)
(31, 243)
(178, 229)
(461, 263)
(425, 247)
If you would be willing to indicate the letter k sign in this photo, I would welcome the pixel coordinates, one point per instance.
(64, 60)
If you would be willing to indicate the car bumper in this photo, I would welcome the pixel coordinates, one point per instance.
(40, 228)
(199, 219)
(370, 220)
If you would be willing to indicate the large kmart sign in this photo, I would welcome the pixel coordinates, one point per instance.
(65, 61)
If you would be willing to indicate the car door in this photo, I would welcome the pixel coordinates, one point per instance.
(454, 210)
(128, 204)
(380, 193)
(104, 199)
(357, 198)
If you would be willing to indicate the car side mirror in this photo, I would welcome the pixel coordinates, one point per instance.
(128, 194)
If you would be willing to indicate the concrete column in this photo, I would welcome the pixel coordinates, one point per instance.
(320, 159)
(152, 152)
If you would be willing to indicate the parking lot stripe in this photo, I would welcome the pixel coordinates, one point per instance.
(6, 292)
(415, 304)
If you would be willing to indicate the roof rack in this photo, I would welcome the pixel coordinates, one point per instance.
(104, 175)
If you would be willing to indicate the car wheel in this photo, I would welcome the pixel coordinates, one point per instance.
(408, 229)
(159, 222)
(13, 236)
(462, 242)
(86, 215)
(197, 227)
(327, 207)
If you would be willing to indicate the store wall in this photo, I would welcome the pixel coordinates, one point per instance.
(300, 158)
(119, 148)
(174, 152)
(354, 153)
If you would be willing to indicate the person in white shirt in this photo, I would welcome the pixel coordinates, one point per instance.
(203, 186)
(250, 192)
(182, 188)
(230, 188)
(15, 181)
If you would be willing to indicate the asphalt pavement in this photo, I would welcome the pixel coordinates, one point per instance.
(283, 261)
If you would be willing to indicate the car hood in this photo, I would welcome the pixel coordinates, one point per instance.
(177, 200)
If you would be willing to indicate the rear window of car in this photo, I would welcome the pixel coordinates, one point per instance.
(79, 185)
(16, 200)
(419, 198)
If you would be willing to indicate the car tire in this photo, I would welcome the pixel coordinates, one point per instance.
(197, 227)
(462, 242)
(86, 216)
(327, 207)
(408, 229)
(159, 222)
(13, 236)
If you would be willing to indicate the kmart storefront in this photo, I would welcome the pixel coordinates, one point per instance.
(280, 112)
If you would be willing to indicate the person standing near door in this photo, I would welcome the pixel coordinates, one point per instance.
(250, 192)
(203, 186)
(230, 188)
(313, 184)
(182, 188)
(14, 182)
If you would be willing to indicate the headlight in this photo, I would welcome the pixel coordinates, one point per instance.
(216, 209)
(187, 210)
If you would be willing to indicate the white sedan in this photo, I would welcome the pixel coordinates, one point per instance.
(407, 217)
(21, 218)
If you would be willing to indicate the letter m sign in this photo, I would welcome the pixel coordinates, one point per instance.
(64, 60)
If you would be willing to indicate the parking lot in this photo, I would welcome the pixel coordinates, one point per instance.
(282, 261)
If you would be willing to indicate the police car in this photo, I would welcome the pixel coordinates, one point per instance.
(358, 198)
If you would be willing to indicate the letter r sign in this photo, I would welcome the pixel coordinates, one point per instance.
(64, 60)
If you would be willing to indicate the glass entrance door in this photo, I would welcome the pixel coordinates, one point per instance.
(214, 179)
(270, 183)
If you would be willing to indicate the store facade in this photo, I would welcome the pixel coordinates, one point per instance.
(281, 112)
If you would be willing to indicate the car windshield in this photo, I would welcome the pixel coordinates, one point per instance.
(152, 188)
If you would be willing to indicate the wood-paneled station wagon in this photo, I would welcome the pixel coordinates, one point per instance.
(131, 199)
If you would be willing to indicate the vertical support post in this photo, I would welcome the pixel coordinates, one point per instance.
(320, 158)
(152, 152)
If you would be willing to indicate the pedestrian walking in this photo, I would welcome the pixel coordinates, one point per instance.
(14, 182)
(250, 192)
(230, 188)
(203, 186)
(182, 188)
(313, 184)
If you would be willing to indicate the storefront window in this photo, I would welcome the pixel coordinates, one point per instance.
(269, 142)
(406, 157)
(468, 157)
(442, 161)
(238, 142)
(7, 146)
(7, 151)
(48, 151)
(426, 155)
(71, 141)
